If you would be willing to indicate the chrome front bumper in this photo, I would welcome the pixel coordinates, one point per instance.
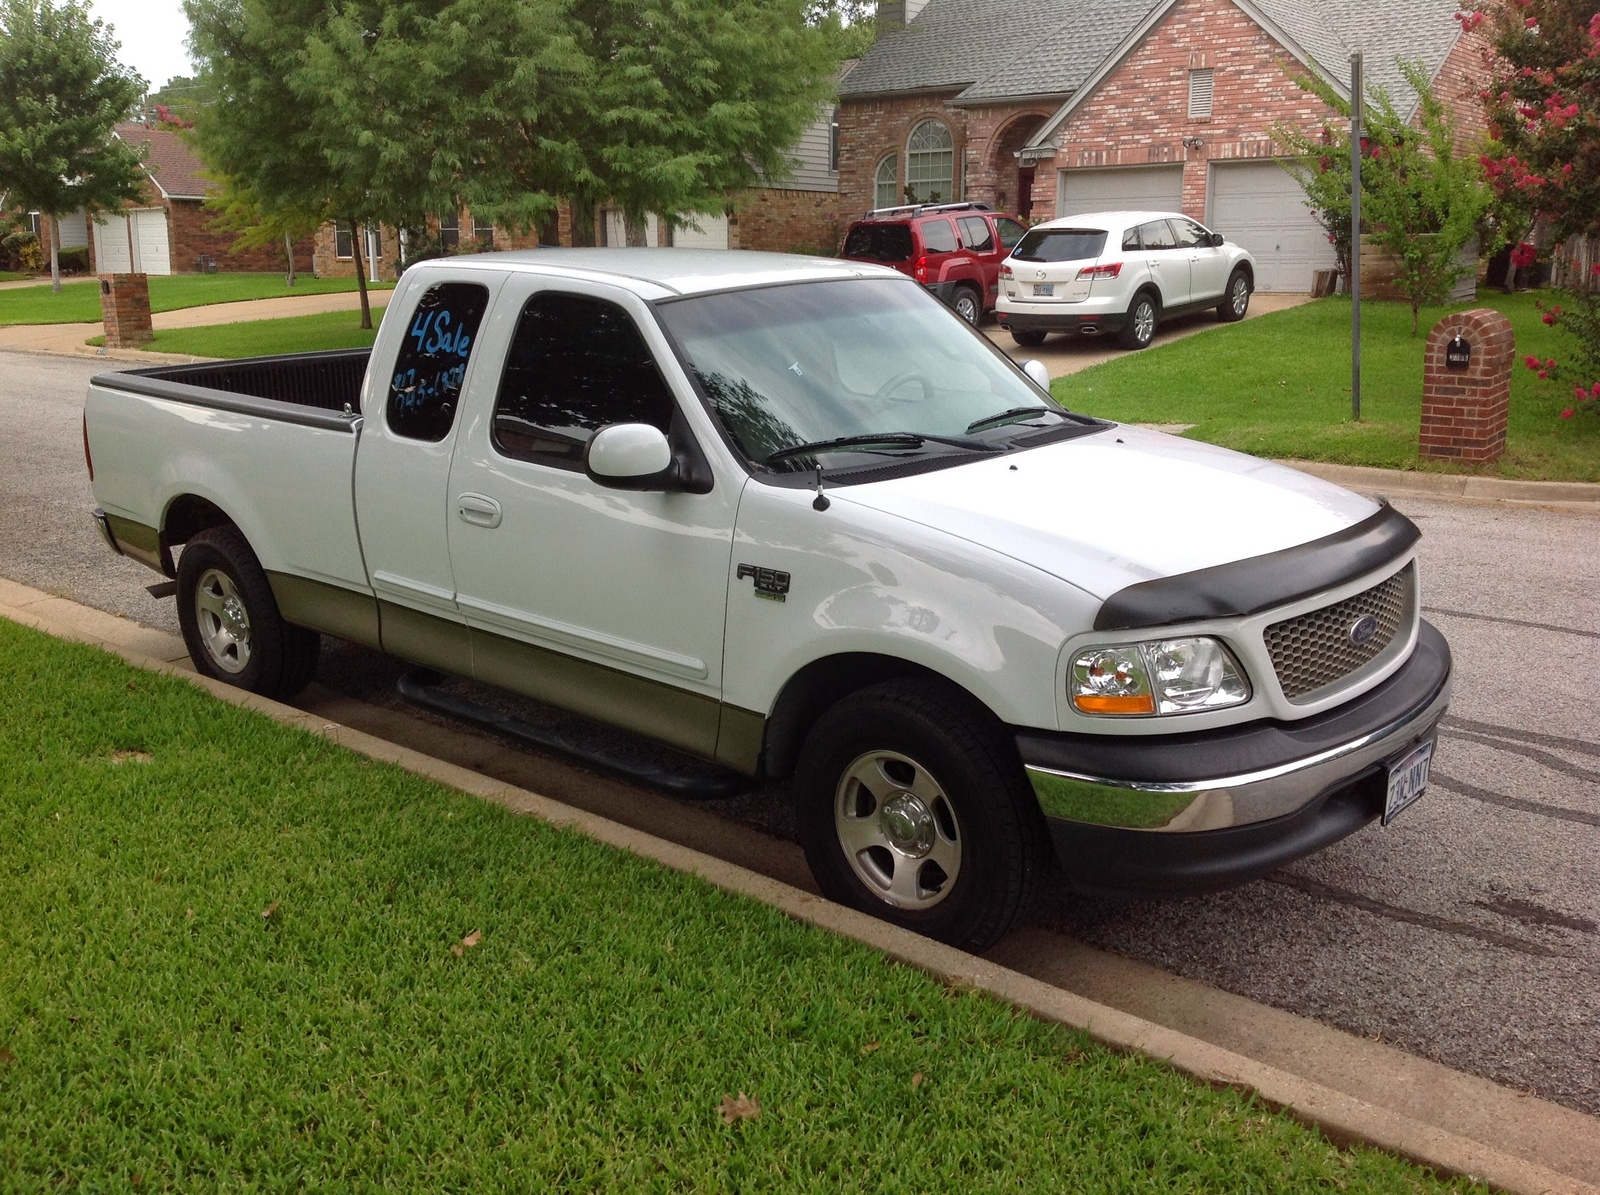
(1165, 812)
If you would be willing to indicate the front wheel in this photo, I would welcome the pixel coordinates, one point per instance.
(1236, 299)
(1141, 326)
(967, 305)
(913, 807)
(230, 620)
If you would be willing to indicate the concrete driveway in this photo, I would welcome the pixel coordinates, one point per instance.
(1068, 354)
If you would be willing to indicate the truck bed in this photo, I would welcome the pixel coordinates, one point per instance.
(329, 381)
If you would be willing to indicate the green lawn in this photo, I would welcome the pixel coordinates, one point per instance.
(226, 960)
(8, 276)
(1279, 385)
(260, 338)
(79, 303)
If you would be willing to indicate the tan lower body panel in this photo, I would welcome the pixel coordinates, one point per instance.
(323, 607)
(138, 542)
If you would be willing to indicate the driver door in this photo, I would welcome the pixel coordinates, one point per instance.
(605, 601)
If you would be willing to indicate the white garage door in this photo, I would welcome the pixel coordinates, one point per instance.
(1152, 188)
(712, 234)
(149, 247)
(1259, 205)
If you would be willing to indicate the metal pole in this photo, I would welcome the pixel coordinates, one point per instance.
(1355, 236)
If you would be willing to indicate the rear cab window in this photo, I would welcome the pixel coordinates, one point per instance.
(1061, 244)
(425, 387)
(879, 242)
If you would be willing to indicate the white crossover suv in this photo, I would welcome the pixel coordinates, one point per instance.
(1104, 273)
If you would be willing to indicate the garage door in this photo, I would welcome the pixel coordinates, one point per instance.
(150, 252)
(712, 233)
(1138, 188)
(1259, 205)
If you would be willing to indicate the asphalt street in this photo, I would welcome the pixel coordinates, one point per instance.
(1467, 932)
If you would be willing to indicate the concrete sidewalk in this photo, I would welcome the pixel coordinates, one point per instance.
(1351, 1089)
(68, 339)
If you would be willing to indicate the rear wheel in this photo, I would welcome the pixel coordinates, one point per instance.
(1029, 339)
(913, 807)
(1236, 299)
(231, 623)
(967, 305)
(1141, 326)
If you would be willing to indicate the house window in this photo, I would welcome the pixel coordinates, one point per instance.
(833, 141)
(342, 248)
(449, 231)
(482, 233)
(1200, 84)
(885, 184)
(930, 163)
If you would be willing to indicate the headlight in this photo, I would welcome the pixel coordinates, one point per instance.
(1163, 676)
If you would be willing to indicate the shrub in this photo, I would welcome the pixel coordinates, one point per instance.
(74, 260)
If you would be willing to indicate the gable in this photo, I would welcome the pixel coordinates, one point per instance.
(174, 168)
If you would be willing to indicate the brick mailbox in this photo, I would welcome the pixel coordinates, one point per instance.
(125, 310)
(1466, 386)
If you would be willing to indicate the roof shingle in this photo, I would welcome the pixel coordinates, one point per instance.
(168, 160)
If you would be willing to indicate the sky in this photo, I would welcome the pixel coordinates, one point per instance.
(152, 33)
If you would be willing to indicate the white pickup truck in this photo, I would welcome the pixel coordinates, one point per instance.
(793, 516)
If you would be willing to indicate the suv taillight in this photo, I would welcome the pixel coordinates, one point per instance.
(1005, 273)
(922, 268)
(1090, 273)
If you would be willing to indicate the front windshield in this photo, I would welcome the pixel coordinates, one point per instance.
(808, 363)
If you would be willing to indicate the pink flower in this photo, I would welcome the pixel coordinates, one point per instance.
(1544, 373)
(1595, 391)
(1568, 413)
(1550, 363)
(1595, 269)
(1550, 318)
(1580, 393)
(1531, 361)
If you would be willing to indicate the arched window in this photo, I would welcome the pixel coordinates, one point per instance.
(886, 184)
(930, 163)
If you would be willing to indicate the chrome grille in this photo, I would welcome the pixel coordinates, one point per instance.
(1314, 650)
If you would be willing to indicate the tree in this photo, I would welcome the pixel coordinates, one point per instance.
(61, 93)
(1421, 201)
(239, 210)
(851, 26)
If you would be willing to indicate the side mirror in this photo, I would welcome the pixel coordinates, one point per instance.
(630, 456)
(1038, 374)
(1216, 240)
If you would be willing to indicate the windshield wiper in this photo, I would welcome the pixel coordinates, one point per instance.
(868, 440)
(978, 425)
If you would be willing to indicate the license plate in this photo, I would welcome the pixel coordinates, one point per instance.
(1044, 288)
(1407, 780)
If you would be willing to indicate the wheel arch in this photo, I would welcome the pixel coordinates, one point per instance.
(824, 682)
(185, 517)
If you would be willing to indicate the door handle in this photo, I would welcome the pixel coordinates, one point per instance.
(479, 510)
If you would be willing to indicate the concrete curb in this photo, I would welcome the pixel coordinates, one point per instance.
(1340, 1117)
(1560, 495)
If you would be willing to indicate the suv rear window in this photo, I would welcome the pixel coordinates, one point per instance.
(1060, 244)
(879, 242)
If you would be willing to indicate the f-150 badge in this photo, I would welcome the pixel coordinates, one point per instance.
(771, 583)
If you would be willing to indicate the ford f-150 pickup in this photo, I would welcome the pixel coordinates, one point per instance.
(791, 516)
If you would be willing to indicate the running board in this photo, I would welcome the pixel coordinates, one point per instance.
(420, 686)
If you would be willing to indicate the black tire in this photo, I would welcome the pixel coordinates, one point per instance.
(230, 620)
(981, 818)
(1029, 339)
(968, 304)
(1143, 315)
(1235, 299)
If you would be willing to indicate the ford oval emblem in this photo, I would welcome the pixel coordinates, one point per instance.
(1363, 630)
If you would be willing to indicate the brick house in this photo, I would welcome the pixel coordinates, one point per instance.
(1050, 107)
(167, 231)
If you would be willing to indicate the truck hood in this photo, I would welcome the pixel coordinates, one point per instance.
(1121, 506)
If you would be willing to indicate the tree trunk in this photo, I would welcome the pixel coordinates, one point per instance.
(1413, 319)
(55, 255)
(361, 273)
(288, 251)
(583, 223)
(636, 231)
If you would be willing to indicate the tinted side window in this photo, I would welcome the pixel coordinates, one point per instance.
(575, 365)
(425, 388)
(975, 234)
(1130, 241)
(1190, 235)
(1010, 231)
(1156, 235)
(879, 242)
(938, 236)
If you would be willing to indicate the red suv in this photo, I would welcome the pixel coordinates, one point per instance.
(954, 249)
